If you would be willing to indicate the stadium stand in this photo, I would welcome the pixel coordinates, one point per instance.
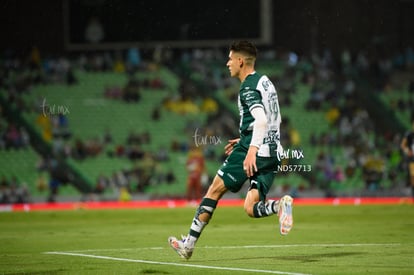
(90, 115)
(398, 95)
(140, 139)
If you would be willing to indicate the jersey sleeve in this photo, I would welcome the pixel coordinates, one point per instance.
(252, 98)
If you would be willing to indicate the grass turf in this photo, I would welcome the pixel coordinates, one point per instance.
(324, 240)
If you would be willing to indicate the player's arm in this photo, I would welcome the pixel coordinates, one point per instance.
(229, 146)
(405, 148)
(259, 131)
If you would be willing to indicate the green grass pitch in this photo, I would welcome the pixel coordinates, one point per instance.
(324, 240)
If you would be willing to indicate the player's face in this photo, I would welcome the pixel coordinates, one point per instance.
(233, 64)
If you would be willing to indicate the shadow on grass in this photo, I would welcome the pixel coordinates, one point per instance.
(317, 257)
(297, 258)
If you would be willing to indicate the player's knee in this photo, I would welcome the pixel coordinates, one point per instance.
(217, 189)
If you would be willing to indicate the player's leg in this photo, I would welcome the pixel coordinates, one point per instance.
(201, 218)
(230, 176)
(257, 206)
(206, 208)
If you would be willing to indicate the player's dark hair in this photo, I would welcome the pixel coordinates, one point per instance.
(244, 47)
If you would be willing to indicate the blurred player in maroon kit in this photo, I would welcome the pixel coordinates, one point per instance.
(195, 168)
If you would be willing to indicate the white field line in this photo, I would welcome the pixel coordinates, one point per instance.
(176, 264)
(240, 247)
(82, 253)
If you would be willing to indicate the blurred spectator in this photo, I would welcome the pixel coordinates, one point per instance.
(324, 171)
(101, 185)
(133, 59)
(373, 171)
(107, 137)
(71, 77)
(12, 191)
(53, 189)
(332, 115)
(5, 191)
(156, 113)
(162, 154)
(41, 182)
(131, 92)
(35, 60)
(14, 137)
(209, 106)
(79, 151)
(124, 194)
(170, 177)
(119, 64)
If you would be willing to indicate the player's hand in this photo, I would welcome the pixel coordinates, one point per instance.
(408, 152)
(249, 163)
(229, 147)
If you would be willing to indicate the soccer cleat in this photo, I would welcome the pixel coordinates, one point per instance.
(179, 247)
(285, 214)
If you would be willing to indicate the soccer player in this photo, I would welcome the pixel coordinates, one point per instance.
(252, 157)
(407, 146)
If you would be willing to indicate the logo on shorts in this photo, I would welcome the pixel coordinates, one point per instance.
(231, 177)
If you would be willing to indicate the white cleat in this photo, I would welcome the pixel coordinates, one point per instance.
(285, 214)
(179, 247)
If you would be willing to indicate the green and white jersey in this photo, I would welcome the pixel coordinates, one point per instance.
(257, 91)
